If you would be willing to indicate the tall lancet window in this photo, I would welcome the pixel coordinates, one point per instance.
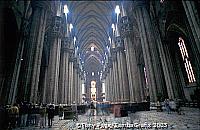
(185, 57)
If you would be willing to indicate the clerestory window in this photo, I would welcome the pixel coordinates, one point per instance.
(186, 60)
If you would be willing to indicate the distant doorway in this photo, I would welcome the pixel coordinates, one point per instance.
(93, 91)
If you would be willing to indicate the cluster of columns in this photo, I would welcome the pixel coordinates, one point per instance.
(66, 73)
(193, 19)
(123, 74)
(63, 75)
(129, 79)
(156, 57)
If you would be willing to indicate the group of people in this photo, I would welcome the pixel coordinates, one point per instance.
(26, 114)
(171, 105)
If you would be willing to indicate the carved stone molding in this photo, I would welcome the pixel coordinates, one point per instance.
(66, 44)
(126, 26)
(119, 44)
(113, 54)
(56, 26)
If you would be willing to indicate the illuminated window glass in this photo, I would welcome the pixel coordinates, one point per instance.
(92, 73)
(145, 75)
(187, 64)
(92, 48)
(66, 9)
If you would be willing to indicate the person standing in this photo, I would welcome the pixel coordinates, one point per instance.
(60, 112)
(14, 114)
(42, 116)
(166, 102)
(24, 114)
(50, 112)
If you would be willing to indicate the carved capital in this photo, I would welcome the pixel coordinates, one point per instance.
(114, 54)
(65, 44)
(126, 26)
(119, 43)
(71, 56)
(75, 61)
(56, 26)
(75, 65)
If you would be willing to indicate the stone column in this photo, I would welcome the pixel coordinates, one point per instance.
(113, 65)
(111, 93)
(107, 86)
(20, 52)
(36, 40)
(119, 88)
(79, 86)
(64, 71)
(126, 33)
(165, 57)
(149, 48)
(70, 92)
(54, 59)
(172, 82)
(128, 47)
(141, 81)
(44, 93)
(74, 83)
(78, 81)
(82, 82)
(122, 71)
(193, 18)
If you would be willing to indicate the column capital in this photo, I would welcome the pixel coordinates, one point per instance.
(65, 44)
(119, 44)
(104, 73)
(56, 27)
(114, 54)
(71, 59)
(110, 63)
(74, 60)
(126, 27)
(119, 41)
(107, 70)
(76, 66)
(71, 52)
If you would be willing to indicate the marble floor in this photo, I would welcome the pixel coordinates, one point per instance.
(152, 120)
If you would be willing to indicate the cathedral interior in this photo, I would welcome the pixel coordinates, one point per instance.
(115, 52)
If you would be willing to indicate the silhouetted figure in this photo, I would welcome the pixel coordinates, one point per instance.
(61, 110)
(42, 116)
(3, 118)
(50, 112)
(166, 102)
(14, 114)
(24, 114)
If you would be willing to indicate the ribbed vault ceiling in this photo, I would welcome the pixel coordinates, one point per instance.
(92, 22)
